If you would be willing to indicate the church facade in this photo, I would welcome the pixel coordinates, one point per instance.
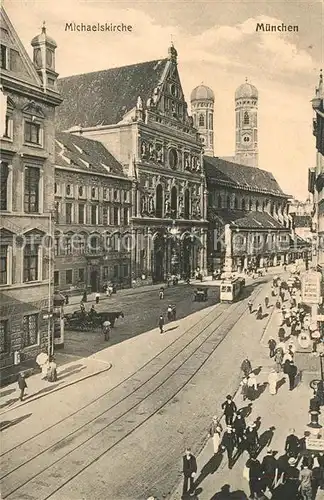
(249, 223)
(139, 113)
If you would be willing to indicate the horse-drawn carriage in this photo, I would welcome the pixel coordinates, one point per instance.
(85, 321)
(200, 295)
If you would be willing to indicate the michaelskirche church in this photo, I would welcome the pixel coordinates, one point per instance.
(189, 210)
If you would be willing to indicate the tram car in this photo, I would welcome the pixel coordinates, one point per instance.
(230, 290)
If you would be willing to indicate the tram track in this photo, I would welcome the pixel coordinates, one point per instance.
(43, 471)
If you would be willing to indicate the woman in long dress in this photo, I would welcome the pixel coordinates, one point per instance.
(215, 432)
(272, 381)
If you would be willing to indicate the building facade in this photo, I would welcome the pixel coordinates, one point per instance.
(93, 200)
(29, 97)
(139, 113)
(316, 176)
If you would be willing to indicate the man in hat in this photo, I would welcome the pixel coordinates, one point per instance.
(161, 323)
(305, 478)
(291, 371)
(189, 471)
(255, 477)
(246, 367)
(239, 427)
(230, 409)
(292, 444)
(269, 468)
(251, 439)
(229, 443)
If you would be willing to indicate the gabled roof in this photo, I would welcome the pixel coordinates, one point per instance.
(241, 176)
(103, 97)
(244, 220)
(77, 152)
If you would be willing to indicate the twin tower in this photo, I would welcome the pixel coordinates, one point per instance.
(246, 129)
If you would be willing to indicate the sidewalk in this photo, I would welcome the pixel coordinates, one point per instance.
(68, 374)
(278, 414)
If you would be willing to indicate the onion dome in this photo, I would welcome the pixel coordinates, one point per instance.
(246, 90)
(43, 38)
(202, 92)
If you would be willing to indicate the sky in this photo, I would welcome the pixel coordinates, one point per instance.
(218, 45)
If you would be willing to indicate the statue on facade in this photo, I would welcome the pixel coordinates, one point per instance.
(159, 154)
(143, 149)
(198, 211)
(198, 166)
(151, 205)
(181, 207)
(139, 104)
(151, 152)
(143, 205)
(187, 161)
(149, 102)
(167, 206)
(193, 163)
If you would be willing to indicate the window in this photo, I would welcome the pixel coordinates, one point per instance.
(159, 201)
(243, 204)
(31, 193)
(56, 211)
(246, 119)
(4, 172)
(173, 158)
(105, 273)
(79, 244)
(115, 195)
(68, 276)
(105, 216)
(93, 192)
(68, 189)
(57, 246)
(68, 245)
(126, 222)
(174, 202)
(94, 214)
(257, 205)
(4, 57)
(80, 190)
(125, 270)
(201, 121)
(211, 121)
(115, 216)
(250, 204)
(4, 336)
(228, 202)
(3, 265)
(55, 188)
(235, 203)
(219, 203)
(81, 213)
(125, 196)
(68, 213)
(116, 271)
(81, 274)
(187, 204)
(8, 128)
(32, 132)
(30, 330)
(30, 263)
(56, 278)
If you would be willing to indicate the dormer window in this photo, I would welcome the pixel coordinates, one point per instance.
(4, 57)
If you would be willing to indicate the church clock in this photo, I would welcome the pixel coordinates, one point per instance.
(246, 139)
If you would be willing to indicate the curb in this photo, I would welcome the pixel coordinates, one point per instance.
(81, 379)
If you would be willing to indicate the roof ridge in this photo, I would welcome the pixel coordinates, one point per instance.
(113, 68)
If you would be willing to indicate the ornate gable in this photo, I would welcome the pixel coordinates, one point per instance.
(17, 62)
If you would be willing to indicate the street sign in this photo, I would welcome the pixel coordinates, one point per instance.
(315, 444)
(311, 287)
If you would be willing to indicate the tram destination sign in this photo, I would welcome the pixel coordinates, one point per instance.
(311, 287)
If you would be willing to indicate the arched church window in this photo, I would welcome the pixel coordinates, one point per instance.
(159, 201)
(186, 204)
(235, 203)
(174, 202)
(246, 118)
(210, 121)
(201, 121)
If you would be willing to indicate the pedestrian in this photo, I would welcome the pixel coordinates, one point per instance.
(252, 386)
(272, 346)
(281, 334)
(291, 479)
(305, 478)
(250, 306)
(161, 293)
(270, 470)
(278, 359)
(82, 307)
(246, 367)
(189, 472)
(245, 388)
(259, 314)
(161, 323)
(251, 439)
(22, 385)
(239, 428)
(97, 297)
(291, 372)
(84, 296)
(273, 381)
(230, 409)
(255, 475)
(292, 444)
(106, 329)
(108, 291)
(66, 297)
(52, 370)
(229, 443)
(215, 432)
(169, 312)
(266, 302)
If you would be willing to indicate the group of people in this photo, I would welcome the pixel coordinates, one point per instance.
(171, 316)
